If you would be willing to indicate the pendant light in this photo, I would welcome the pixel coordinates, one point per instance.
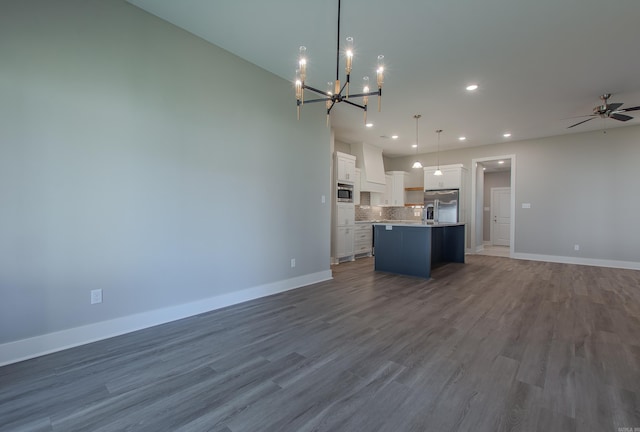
(438, 172)
(417, 163)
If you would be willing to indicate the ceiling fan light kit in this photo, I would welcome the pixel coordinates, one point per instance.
(607, 110)
(336, 93)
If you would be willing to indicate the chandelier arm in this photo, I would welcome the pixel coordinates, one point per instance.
(317, 100)
(374, 93)
(354, 104)
(333, 103)
(315, 90)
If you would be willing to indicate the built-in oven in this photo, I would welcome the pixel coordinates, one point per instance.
(345, 193)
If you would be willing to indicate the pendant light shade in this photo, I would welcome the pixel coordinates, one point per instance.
(417, 163)
(438, 172)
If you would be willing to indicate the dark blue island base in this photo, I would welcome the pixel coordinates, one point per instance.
(413, 249)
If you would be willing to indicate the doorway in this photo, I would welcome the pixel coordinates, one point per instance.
(500, 220)
(493, 204)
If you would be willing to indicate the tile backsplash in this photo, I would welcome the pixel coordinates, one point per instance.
(365, 211)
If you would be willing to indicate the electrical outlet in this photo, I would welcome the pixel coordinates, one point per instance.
(293, 262)
(576, 247)
(96, 296)
(324, 199)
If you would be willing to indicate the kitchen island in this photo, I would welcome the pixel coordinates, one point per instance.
(413, 249)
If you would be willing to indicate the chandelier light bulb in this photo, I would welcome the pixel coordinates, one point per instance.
(380, 70)
(302, 63)
(349, 54)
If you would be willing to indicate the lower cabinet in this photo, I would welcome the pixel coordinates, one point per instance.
(344, 241)
(363, 237)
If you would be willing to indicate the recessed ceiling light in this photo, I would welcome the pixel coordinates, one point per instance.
(462, 138)
(484, 168)
(394, 136)
(506, 135)
(500, 162)
(369, 125)
(414, 145)
(472, 87)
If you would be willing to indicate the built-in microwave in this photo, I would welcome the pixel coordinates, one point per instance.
(345, 192)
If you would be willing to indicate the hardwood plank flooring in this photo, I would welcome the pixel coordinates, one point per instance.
(491, 345)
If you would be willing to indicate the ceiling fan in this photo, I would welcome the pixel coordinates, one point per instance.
(607, 110)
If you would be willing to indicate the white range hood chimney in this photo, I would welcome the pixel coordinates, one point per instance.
(369, 160)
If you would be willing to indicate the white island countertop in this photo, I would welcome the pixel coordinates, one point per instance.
(418, 224)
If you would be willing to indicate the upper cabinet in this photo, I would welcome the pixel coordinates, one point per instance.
(398, 180)
(346, 168)
(393, 195)
(452, 177)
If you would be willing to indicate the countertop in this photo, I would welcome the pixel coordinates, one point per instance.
(417, 224)
(387, 221)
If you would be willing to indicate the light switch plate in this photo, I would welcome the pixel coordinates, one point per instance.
(96, 296)
(526, 205)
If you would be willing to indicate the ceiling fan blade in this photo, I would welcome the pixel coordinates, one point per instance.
(579, 123)
(629, 109)
(614, 106)
(620, 117)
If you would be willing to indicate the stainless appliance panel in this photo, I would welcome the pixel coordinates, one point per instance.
(442, 205)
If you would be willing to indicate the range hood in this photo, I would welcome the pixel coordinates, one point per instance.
(369, 160)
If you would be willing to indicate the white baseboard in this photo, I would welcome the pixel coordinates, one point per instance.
(12, 352)
(630, 265)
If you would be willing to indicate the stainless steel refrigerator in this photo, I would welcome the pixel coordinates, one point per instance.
(442, 206)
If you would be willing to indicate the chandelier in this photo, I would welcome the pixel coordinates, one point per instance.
(336, 93)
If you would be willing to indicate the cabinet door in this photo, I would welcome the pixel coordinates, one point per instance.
(397, 194)
(388, 190)
(344, 242)
(356, 188)
(345, 214)
(377, 199)
(350, 169)
(346, 169)
(450, 179)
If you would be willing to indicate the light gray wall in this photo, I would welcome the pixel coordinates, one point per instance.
(582, 189)
(342, 147)
(137, 158)
(492, 180)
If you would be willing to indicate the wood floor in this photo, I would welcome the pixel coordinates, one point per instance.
(491, 345)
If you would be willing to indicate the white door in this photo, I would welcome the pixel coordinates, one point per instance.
(500, 216)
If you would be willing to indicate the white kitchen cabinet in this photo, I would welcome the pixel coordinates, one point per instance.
(393, 192)
(345, 168)
(356, 188)
(453, 177)
(396, 192)
(345, 214)
(344, 225)
(344, 242)
(363, 236)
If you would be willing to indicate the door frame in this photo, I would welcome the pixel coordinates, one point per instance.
(477, 214)
(491, 229)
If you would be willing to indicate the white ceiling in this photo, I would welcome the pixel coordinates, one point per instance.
(537, 62)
